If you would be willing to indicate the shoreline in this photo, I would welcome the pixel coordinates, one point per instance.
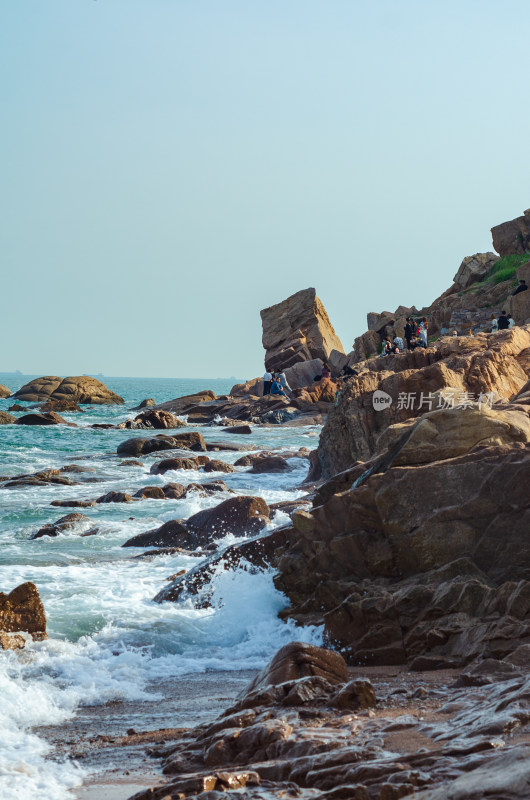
(100, 738)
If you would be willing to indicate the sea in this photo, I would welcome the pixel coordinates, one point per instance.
(108, 640)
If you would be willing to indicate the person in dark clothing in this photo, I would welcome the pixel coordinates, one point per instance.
(349, 372)
(276, 387)
(267, 381)
(326, 372)
(503, 322)
(521, 288)
(409, 332)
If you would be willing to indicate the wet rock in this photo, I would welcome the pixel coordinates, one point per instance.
(171, 534)
(64, 404)
(181, 405)
(22, 610)
(115, 497)
(215, 465)
(244, 429)
(186, 441)
(17, 407)
(149, 402)
(228, 446)
(11, 641)
(81, 389)
(61, 525)
(300, 660)
(49, 418)
(154, 419)
(73, 503)
(238, 515)
(174, 491)
(356, 694)
(4, 391)
(7, 419)
(269, 464)
(130, 462)
(174, 464)
(150, 493)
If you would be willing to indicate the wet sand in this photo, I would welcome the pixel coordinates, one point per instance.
(111, 742)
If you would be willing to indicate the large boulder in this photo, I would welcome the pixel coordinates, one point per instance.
(7, 419)
(191, 440)
(155, 418)
(239, 515)
(474, 268)
(181, 405)
(300, 660)
(4, 391)
(47, 418)
(171, 534)
(81, 389)
(63, 524)
(513, 236)
(22, 610)
(297, 329)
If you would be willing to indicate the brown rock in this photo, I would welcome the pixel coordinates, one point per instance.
(130, 462)
(174, 463)
(81, 389)
(474, 268)
(115, 497)
(73, 503)
(171, 534)
(63, 404)
(297, 329)
(185, 441)
(239, 429)
(299, 660)
(49, 418)
(269, 464)
(356, 694)
(215, 465)
(181, 405)
(7, 419)
(4, 391)
(174, 491)
(155, 418)
(238, 515)
(62, 524)
(150, 493)
(513, 236)
(22, 610)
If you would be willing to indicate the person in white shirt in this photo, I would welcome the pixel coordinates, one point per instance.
(267, 381)
(400, 344)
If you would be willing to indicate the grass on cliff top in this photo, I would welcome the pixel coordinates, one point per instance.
(505, 268)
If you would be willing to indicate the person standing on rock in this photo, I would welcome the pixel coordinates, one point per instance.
(409, 332)
(267, 381)
(503, 322)
(494, 324)
(424, 326)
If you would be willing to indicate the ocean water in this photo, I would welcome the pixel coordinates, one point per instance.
(107, 639)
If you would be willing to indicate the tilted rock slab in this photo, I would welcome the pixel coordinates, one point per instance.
(297, 329)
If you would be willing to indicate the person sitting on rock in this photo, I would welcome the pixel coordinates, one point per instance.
(400, 345)
(511, 321)
(503, 322)
(348, 372)
(521, 288)
(424, 325)
(283, 381)
(326, 372)
(276, 387)
(267, 380)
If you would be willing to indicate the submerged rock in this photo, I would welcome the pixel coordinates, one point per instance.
(184, 441)
(48, 418)
(61, 525)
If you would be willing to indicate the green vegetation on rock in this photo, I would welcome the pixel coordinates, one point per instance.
(505, 268)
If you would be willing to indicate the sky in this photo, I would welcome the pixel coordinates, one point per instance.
(171, 167)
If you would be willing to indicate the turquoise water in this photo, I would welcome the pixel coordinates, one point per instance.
(107, 639)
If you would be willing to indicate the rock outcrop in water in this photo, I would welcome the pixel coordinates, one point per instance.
(298, 329)
(4, 391)
(21, 611)
(81, 389)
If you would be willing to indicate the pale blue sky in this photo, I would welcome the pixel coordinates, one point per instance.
(170, 168)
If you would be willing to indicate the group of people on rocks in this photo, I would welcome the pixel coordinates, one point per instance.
(415, 335)
(275, 383)
(502, 323)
